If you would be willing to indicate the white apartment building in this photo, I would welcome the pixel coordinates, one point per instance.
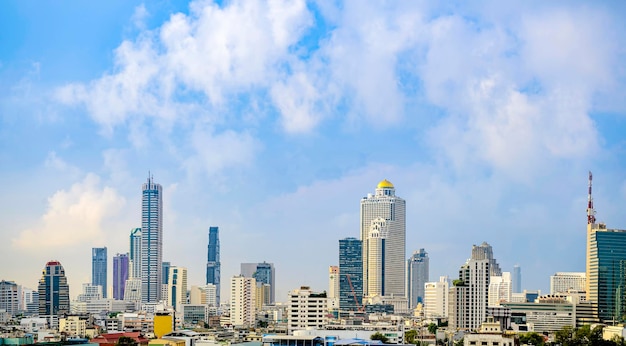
(203, 295)
(562, 282)
(90, 292)
(306, 309)
(469, 297)
(242, 301)
(436, 298)
(500, 289)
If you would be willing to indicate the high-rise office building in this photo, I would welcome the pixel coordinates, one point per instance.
(606, 267)
(213, 261)
(517, 279)
(387, 273)
(485, 251)
(436, 298)
(54, 293)
(151, 241)
(99, 268)
(9, 299)
(120, 275)
(500, 289)
(135, 254)
(350, 275)
(177, 287)
(242, 301)
(417, 277)
(263, 273)
(562, 282)
(165, 276)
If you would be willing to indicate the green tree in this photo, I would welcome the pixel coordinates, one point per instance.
(410, 336)
(531, 338)
(459, 342)
(432, 328)
(379, 336)
(126, 341)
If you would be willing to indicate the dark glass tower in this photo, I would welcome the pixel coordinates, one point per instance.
(99, 268)
(417, 276)
(120, 275)
(213, 261)
(54, 293)
(151, 241)
(350, 275)
(263, 273)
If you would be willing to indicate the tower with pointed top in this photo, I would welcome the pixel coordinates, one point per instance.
(383, 236)
(151, 241)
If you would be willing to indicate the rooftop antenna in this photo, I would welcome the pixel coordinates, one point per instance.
(591, 213)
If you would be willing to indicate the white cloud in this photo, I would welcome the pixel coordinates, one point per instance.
(74, 217)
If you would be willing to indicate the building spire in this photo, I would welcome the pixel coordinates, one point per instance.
(591, 213)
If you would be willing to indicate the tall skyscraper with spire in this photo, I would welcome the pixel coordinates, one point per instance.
(383, 236)
(213, 261)
(151, 241)
(99, 273)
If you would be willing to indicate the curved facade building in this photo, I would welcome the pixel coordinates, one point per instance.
(54, 292)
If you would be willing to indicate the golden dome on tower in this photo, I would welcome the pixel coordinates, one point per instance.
(385, 184)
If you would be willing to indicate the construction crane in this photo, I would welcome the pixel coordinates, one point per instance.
(360, 308)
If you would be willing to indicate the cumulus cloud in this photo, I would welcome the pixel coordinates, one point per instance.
(74, 216)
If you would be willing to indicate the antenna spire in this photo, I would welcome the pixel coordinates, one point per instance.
(591, 213)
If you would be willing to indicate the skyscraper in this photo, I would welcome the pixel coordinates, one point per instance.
(54, 293)
(151, 241)
(213, 261)
(263, 273)
(120, 275)
(517, 279)
(9, 300)
(383, 220)
(350, 274)
(99, 268)
(177, 287)
(135, 254)
(417, 277)
(242, 301)
(485, 251)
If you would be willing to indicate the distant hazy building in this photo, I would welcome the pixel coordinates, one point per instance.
(306, 309)
(562, 282)
(90, 292)
(242, 301)
(388, 271)
(99, 268)
(151, 241)
(333, 288)
(500, 289)
(9, 299)
(54, 293)
(177, 287)
(213, 260)
(135, 254)
(205, 295)
(350, 275)
(132, 290)
(263, 273)
(121, 264)
(436, 298)
(517, 279)
(417, 277)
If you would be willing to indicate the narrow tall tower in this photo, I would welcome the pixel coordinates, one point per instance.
(120, 275)
(151, 241)
(417, 275)
(134, 256)
(385, 205)
(591, 213)
(99, 268)
(213, 261)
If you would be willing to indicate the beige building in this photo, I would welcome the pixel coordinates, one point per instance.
(436, 298)
(73, 326)
(489, 334)
(306, 309)
(242, 301)
(177, 287)
(333, 288)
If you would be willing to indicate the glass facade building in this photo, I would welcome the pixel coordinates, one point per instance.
(350, 274)
(120, 275)
(99, 268)
(54, 292)
(417, 277)
(151, 241)
(213, 261)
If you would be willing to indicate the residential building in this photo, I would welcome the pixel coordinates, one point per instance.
(263, 273)
(132, 290)
(73, 326)
(90, 292)
(388, 271)
(9, 298)
(417, 277)
(242, 301)
(436, 298)
(213, 261)
(350, 275)
(177, 287)
(203, 295)
(99, 268)
(151, 241)
(306, 309)
(500, 289)
(485, 251)
(563, 282)
(120, 275)
(54, 292)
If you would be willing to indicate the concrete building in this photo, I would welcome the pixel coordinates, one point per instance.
(213, 265)
(99, 273)
(73, 326)
(151, 241)
(242, 301)
(436, 298)
(195, 314)
(500, 289)
(263, 273)
(562, 282)
(489, 334)
(203, 295)
(350, 275)
(90, 292)
(177, 287)
(388, 278)
(333, 288)
(516, 279)
(417, 271)
(306, 309)
(54, 292)
(9, 298)
(132, 290)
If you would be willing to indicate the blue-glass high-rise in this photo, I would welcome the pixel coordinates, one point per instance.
(213, 261)
(120, 275)
(417, 276)
(165, 267)
(517, 279)
(350, 275)
(151, 241)
(54, 292)
(262, 273)
(99, 268)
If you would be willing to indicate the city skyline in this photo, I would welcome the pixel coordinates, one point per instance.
(486, 117)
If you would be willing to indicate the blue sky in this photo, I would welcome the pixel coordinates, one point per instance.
(272, 119)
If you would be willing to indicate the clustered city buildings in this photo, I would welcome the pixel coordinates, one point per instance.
(374, 288)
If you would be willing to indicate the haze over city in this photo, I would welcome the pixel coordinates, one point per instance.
(273, 119)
